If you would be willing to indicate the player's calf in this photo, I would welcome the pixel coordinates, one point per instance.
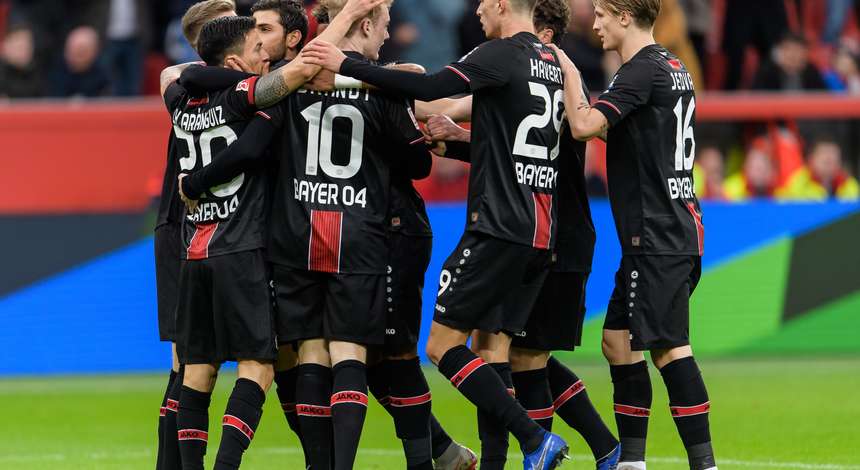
(192, 421)
(286, 374)
(689, 404)
(348, 400)
(531, 384)
(243, 412)
(313, 401)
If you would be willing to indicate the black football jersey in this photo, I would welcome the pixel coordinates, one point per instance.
(170, 207)
(651, 109)
(408, 213)
(517, 113)
(575, 239)
(331, 204)
(230, 217)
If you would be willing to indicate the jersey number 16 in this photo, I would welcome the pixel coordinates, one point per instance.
(684, 132)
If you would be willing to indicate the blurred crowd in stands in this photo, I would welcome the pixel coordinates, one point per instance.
(98, 48)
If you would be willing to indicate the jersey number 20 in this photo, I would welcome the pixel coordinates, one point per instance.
(206, 137)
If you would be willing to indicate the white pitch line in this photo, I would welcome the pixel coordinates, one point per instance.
(142, 453)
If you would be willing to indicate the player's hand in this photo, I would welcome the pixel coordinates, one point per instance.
(414, 68)
(439, 148)
(442, 127)
(323, 54)
(356, 9)
(323, 81)
(191, 204)
(567, 65)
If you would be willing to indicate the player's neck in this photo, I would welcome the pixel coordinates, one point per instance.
(635, 41)
(351, 45)
(516, 25)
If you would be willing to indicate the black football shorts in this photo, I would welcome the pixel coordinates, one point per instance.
(337, 307)
(168, 262)
(555, 323)
(404, 285)
(484, 273)
(652, 300)
(225, 310)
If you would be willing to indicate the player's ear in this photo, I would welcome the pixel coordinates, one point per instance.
(625, 18)
(293, 39)
(366, 26)
(231, 62)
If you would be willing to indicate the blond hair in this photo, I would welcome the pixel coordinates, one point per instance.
(331, 8)
(644, 12)
(201, 13)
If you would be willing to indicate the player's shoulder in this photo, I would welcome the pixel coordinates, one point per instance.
(662, 59)
(493, 47)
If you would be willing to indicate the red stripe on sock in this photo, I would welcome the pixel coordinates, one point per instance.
(230, 420)
(172, 405)
(571, 392)
(313, 410)
(288, 407)
(466, 371)
(632, 411)
(541, 414)
(349, 396)
(410, 401)
(384, 401)
(682, 411)
(162, 411)
(512, 392)
(193, 435)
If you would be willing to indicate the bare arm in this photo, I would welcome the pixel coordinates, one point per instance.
(585, 121)
(172, 73)
(274, 86)
(458, 109)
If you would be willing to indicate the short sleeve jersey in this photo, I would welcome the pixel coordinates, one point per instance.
(517, 111)
(331, 204)
(231, 217)
(650, 106)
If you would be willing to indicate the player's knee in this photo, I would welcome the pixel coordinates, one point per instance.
(200, 377)
(403, 353)
(434, 352)
(527, 359)
(611, 351)
(287, 358)
(262, 373)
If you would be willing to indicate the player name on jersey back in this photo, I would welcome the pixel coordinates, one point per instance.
(199, 120)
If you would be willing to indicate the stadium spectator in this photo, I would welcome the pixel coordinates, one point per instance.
(788, 68)
(124, 45)
(824, 177)
(435, 22)
(700, 22)
(844, 74)
(19, 77)
(758, 178)
(670, 30)
(79, 73)
(584, 48)
(760, 23)
(709, 173)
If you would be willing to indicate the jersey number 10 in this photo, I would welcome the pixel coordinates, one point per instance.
(684, 132)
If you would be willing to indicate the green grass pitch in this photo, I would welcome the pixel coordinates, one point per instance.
(766, 414)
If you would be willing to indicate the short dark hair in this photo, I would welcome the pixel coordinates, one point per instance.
(552, 14)
(223, 36)
(292, 13)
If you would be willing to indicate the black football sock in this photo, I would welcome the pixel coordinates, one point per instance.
(440, 440)
(171, 458)
(532, 387)
(241, 418)
(378, 384)
(193, 423)
(162, 414)
(632, 399)
(492, 432)
(410, 407)
(286, 389)
(689, 404)
(313, 407)
(571, 404)
(486, 390)
(348, 409)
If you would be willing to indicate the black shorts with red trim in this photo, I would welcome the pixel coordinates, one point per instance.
(652, 300)
(404, 286)
(168, 262)
(483, 274)
(225, 310)
(337, 307)
(555, 323)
